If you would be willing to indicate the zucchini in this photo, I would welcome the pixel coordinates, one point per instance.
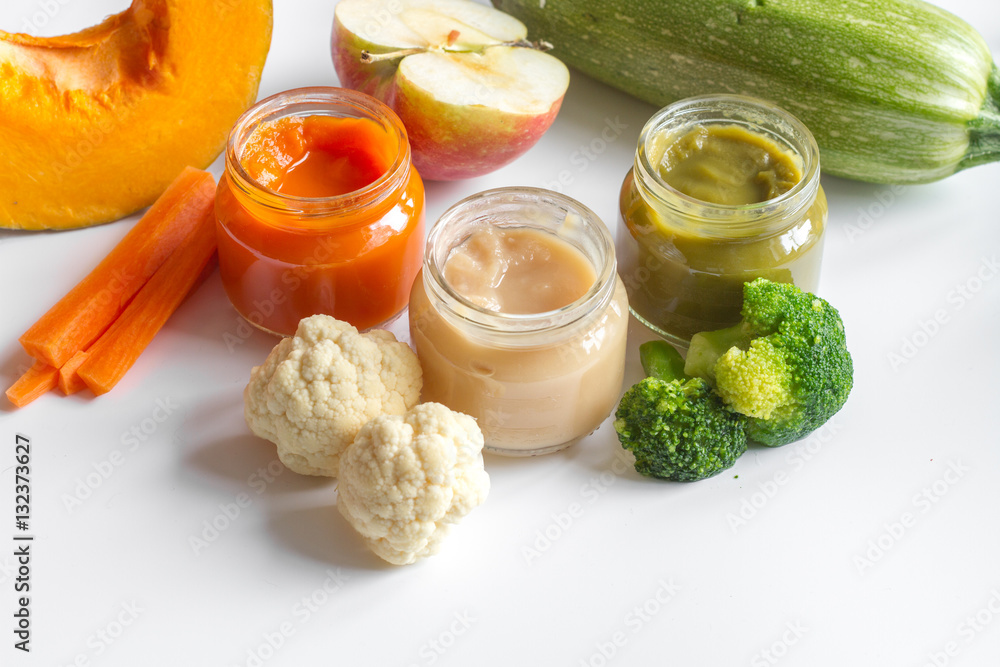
(895, 91)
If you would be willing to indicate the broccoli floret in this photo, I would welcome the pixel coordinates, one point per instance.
(785, 366)
(677, 427)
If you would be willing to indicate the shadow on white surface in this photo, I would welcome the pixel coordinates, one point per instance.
(319, 533)
(242, 458)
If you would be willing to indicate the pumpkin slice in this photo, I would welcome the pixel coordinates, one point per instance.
(96, 124)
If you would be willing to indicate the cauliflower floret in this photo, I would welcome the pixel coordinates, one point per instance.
(406, 479)
(317, 389)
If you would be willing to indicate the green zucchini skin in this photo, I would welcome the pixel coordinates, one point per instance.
(895, 91)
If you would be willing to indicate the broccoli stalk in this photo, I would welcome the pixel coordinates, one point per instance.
(676, 426)
(660, 360)
(785, 365)
(710, 345)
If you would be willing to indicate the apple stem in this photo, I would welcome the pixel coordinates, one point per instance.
(371, 58)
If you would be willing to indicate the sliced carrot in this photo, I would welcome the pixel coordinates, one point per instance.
(37, 380)
(118, 348)
(69, 381)
(81, 316)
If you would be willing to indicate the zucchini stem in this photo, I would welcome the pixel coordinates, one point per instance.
(984, 131)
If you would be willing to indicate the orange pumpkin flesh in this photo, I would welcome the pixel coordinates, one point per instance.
(96, 124)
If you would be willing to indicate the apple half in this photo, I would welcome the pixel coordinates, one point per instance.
(471, 91)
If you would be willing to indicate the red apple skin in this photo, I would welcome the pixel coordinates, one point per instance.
(451, 142)
(448, 141)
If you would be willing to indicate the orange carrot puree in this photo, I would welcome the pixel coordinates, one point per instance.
(351, 249)
(318, 156)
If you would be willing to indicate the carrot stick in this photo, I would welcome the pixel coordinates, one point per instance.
(69, 381)
(37, 380)
(118, 348)
(81, 316)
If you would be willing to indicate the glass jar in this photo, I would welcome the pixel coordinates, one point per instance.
(536, 383)
(353, 256)
(684, 261)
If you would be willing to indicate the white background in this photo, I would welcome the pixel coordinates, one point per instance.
(664, 569)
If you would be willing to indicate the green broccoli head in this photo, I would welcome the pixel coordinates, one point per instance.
(679, 430)
(785, 366)
(755, 382)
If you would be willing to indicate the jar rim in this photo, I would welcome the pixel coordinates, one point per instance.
(311, 101)
(481, 208)
(730, 109)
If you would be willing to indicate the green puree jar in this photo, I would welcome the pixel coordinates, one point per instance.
(724, 189)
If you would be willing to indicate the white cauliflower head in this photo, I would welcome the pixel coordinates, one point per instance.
(406, 479)
(318, 388)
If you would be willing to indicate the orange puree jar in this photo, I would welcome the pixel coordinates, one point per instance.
(319, 211)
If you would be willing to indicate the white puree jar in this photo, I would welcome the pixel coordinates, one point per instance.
(536, 383)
